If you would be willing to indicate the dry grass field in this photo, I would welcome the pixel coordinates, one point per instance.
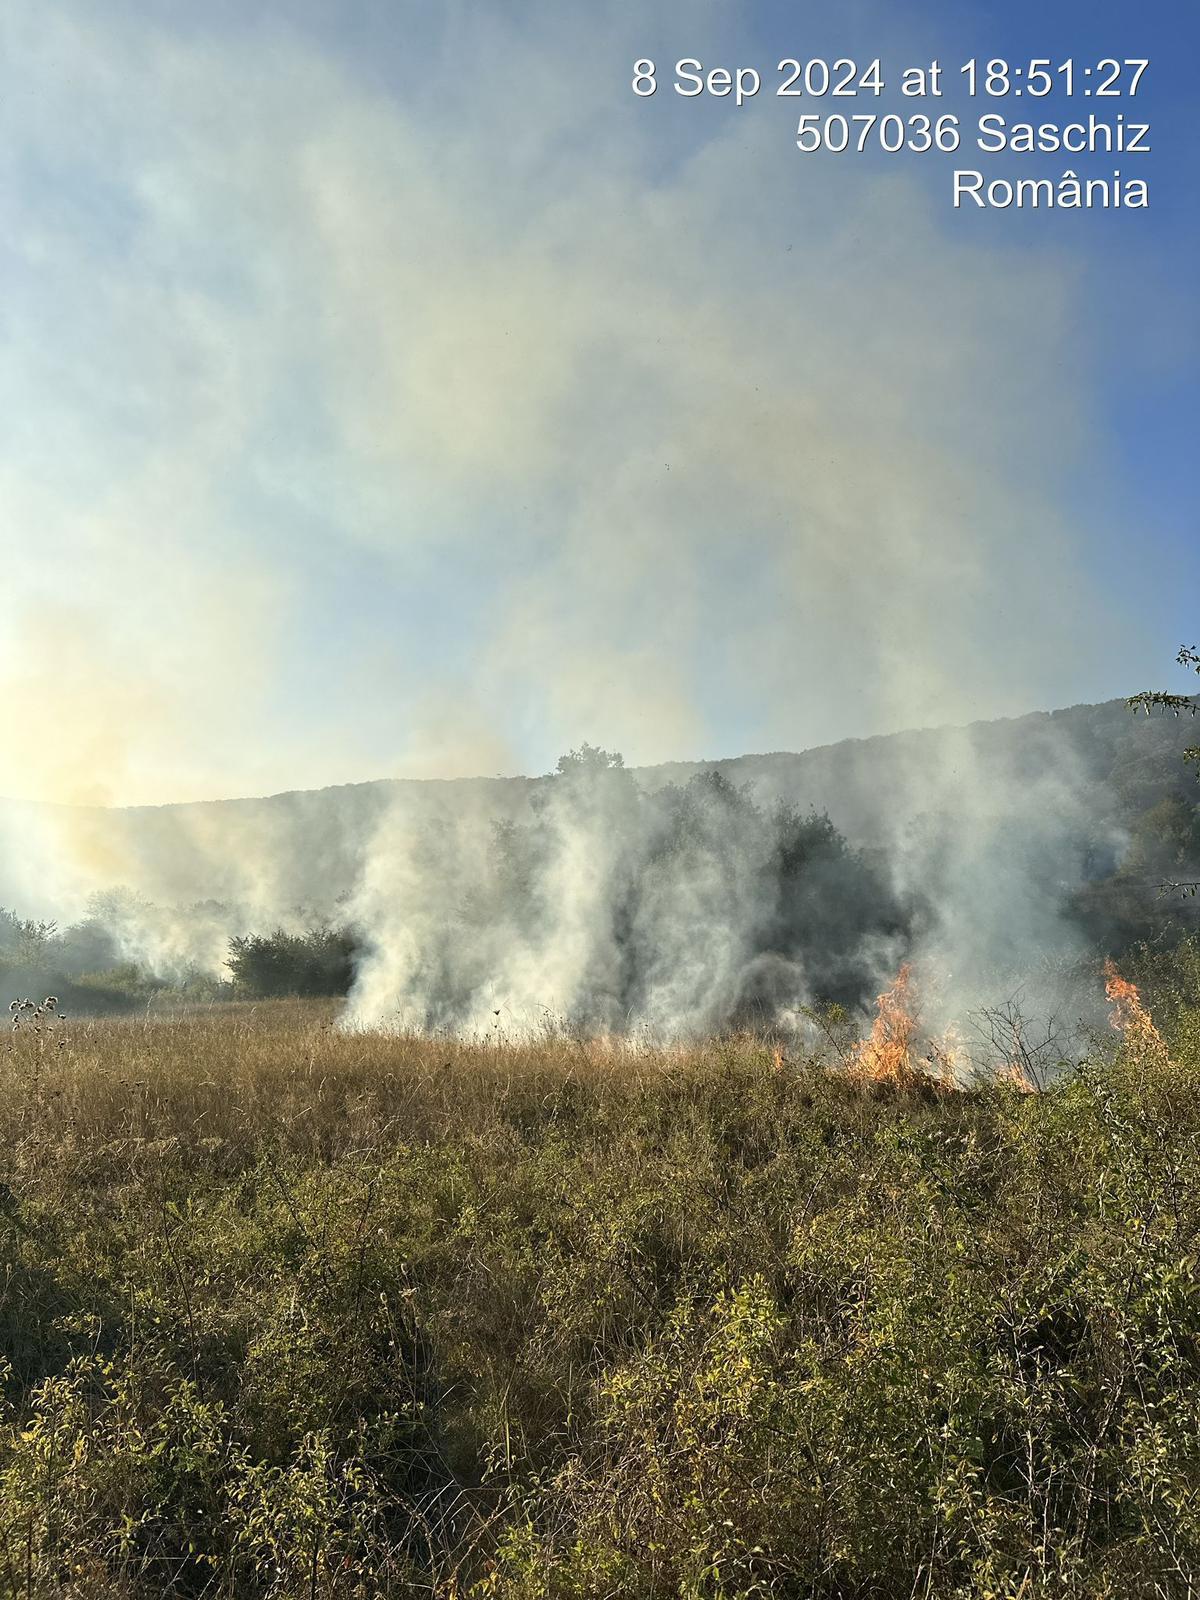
(290, 1312)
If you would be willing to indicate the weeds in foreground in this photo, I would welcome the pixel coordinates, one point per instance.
(290, 1313)
(32, 1016)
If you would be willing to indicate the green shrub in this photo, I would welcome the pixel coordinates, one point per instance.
(320, 962)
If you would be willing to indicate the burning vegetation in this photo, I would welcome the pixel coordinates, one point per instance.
(1130, 1017)
(899, 1053)
(886, 1055)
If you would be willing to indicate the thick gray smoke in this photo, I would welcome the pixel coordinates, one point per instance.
(677, 911)
(668, 914)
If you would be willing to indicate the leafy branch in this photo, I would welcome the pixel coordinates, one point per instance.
(1177, 704)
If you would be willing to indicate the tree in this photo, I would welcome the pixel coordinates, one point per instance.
(588, 760)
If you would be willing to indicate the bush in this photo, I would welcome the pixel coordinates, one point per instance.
(320, 962)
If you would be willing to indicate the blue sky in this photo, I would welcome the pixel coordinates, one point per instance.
(389, 391)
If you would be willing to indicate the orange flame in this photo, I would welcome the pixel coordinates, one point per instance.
(896, 1053)
(886, 1054)
(1130, 1016)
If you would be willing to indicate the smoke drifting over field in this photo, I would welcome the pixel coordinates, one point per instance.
(663, 903)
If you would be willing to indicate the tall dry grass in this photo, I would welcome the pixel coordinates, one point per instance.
(291, 1312)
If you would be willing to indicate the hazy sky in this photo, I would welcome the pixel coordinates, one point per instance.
(386, 390)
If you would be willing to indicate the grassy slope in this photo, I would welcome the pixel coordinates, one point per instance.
(292, 1313)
